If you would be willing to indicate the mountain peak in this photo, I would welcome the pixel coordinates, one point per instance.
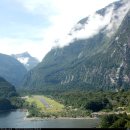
(11, 69)
(26, 59)
(25, 53)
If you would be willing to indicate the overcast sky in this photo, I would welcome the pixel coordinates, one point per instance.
(35, 25)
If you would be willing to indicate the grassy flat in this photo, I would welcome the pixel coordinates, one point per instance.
(54, 106)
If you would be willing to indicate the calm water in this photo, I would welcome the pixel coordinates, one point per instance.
(15, 119)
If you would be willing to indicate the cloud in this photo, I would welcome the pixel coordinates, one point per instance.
(15, 46)
(117, 17)
(60, 16)
(95, 23)
(63, 15)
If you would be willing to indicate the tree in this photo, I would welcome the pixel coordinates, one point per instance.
(120, 123)
(5, 104)
(108, 120)
(96, 105)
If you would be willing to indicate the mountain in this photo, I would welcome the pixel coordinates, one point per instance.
(27, 60)
(11, 69)
(6, 89)
(6, 92)
(97, 55)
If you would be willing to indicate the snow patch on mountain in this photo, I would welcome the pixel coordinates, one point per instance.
(26, 59)
(23, 60)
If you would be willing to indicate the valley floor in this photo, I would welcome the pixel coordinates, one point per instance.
(78, 105)
(41, 107)
(53, 109)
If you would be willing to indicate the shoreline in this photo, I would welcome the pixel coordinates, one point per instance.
(70, 118)
(54, 118)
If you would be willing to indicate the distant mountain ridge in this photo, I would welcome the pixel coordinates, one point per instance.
(11, 69)
(92, 60)
(26, 59)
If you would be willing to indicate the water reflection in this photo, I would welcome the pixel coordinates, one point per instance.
(4, 114)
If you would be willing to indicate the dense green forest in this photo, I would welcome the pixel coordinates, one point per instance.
(115, 121)
(95, 101)
(77, 104)
(91, 101)
(101, 100)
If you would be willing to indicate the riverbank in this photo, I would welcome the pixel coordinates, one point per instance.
(52, 118)
(15, 119)
(94, 115)
(39, 118)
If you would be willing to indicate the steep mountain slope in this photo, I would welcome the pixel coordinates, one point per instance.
(27, 60)
(96, 60)
(6, 89)
(11, 69)
(6, 92)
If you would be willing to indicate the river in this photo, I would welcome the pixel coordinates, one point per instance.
(16, 119)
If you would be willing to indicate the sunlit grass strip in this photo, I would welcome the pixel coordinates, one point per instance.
(55, 106)
(37, 102)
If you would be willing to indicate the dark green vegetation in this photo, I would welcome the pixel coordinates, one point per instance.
(97, 104)
(19, 103)
(109, 102)
(97, 63)
(69, 112)
(7, 91)
(95, 101)
(5, 105)
(83, 104)
(11, 69)
(115, 121)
